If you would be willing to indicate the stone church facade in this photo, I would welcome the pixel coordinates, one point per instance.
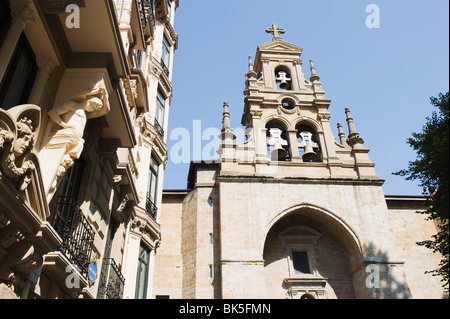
(291, 212)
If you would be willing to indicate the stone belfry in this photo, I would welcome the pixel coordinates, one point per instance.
(286, 118)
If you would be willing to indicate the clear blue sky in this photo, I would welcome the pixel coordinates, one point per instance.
(385, 75)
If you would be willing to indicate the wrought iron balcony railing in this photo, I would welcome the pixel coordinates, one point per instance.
(76, 233)
(111, 285)
(151, 208)
(149, 4)
(164, 67)
(142, 16)
(159, 128)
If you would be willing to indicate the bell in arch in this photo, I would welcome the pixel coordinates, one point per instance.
(309, 154)
(276, 141)
(283, 79)
(308, 146)
(278, 151)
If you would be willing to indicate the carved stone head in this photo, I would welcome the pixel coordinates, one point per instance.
(25, 137)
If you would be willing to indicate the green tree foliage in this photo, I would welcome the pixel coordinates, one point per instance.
(431, 169)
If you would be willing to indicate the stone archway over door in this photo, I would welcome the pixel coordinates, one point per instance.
(307, 254)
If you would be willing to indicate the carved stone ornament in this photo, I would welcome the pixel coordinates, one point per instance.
(324, 116)
(23, 11)
(65, 142)
(58, 6)
(18, 133)
(282, 109)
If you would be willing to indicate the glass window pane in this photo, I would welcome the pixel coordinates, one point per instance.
(166, 52)
(142, 273)
(160, 108)
(153, 181)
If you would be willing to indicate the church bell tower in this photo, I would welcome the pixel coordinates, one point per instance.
(286, 116)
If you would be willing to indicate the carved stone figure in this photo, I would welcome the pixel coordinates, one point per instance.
(72, 117)
(65, 140)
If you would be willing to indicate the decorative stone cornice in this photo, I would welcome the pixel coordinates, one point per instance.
(151, 137)
(171, 31)
(58, 6)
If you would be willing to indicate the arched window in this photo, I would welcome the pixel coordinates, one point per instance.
(277, 142)
(308, 143)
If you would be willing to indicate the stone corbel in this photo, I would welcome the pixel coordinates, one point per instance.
(21, 259)
(123, 211)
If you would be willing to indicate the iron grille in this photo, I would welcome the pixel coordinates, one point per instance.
(151, 208)
(149, 4)
(142, 16)
(76, 233)
(159, 128)
(164, 67)
(116, 281)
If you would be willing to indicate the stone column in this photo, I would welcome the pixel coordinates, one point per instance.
(46, 66)
(22, 15)
(293, 145)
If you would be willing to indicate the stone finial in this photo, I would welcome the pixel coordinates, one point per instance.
(314, 77)
(341, 134)
(251, 72)
(227, 131)
(353, 135)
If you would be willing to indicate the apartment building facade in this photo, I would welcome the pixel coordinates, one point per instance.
(85, 91)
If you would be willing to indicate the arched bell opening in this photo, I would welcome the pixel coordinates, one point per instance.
(309, 251)
(308, 143)
(277, 141)
(283, 78)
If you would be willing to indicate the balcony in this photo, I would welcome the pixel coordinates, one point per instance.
(142, 16)
(159, 128)
(151, 208)
(76, 233)
(148, 4)
(112, 282)
(164, 67)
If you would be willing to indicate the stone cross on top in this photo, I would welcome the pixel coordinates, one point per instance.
(275, 31)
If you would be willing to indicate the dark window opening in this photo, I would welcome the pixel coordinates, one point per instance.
(5, 20)
(18, 81)
(288, 105)
(300, 261)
